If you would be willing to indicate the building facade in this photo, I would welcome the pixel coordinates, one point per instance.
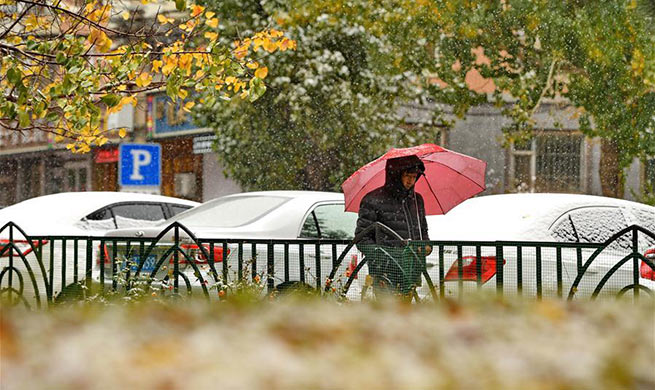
(557, 159)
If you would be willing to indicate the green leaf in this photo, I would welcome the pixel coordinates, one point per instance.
(111, 100)
(52, 116)
(14, 75)
(180, 5)
(23, 119)
(257, 89)
(60, 58)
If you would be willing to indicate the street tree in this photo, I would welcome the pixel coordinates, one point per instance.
(331, 106)
(595, 57)
(64, 63)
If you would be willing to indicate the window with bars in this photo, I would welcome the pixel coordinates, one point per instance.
(549, 162)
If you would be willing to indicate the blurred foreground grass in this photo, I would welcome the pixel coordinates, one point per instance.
(291, 343)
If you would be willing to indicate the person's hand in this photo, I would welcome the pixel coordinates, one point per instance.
(428, 250)
(424, 250)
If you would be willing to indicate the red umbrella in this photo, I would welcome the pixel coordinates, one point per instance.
(450, 178)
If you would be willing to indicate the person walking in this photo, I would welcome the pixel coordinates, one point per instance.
(395, 266)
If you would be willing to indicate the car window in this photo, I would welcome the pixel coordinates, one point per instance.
(177, 208)
(230, 211)
(646, 219)
(98, 220)
(137, 214)
(598, 224)
(563, 231)
(309, 227)
(333, 223)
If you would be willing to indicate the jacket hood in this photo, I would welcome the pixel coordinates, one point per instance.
(394, 169)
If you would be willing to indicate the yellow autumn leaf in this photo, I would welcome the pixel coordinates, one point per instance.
(253, 65)
(261, 72)
(144, 2)
(105, 45)
(276, 33)
(269, 46)
(127, 100)
(230, 79)
(31, 23)
(241, 52)
(122, 132)
(197, 10)
(211, 36)
(168, 68)
(182, 93)
(162, 19)
(143, 80)
(156, 64)
(257, 43)
(286, 43)
(213, 22)
(187, 107)
(125, 15)
(209, 14)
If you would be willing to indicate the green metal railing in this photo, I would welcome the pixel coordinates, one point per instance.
(44, 270)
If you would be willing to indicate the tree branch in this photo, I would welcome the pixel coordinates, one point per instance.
(84, 18)
(4, 34)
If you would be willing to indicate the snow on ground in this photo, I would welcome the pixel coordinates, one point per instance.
(319, 344)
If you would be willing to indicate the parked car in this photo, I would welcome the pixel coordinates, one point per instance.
(562, 218)
(268, 215)
(78, 214)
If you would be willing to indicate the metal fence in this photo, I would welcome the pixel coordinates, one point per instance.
(39, 271)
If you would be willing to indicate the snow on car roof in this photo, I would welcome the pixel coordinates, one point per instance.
(69, 207)
(209, 209)
(318, 195)
(510, 216)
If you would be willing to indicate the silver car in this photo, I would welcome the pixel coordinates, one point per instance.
(558, 218)
(71, 214)
(249, 225)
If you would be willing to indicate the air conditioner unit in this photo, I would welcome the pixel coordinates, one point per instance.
(185, 185)
(122, 119)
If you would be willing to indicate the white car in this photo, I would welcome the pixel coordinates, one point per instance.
(47, 219)
(560, 218)
(255, 217)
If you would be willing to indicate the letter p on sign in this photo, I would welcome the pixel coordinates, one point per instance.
(140, 158)
(139, 165)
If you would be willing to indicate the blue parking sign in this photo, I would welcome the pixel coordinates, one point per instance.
(139, 165)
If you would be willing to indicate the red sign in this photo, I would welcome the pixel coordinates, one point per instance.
(106, 155)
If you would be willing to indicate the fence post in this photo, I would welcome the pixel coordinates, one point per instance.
(635, 262)
(499, 269)
(270, 268)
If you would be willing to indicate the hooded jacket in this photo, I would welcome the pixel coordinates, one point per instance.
(400, 209)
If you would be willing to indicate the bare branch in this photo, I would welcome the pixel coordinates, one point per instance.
(4, 34)
(84, 18)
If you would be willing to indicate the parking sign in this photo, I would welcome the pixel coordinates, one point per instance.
(139, 166)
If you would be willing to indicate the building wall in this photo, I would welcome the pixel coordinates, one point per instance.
(215, 182)
(479, 135)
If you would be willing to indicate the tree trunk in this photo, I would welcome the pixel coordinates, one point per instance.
(611, 175)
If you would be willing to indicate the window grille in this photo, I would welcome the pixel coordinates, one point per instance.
(549, 162)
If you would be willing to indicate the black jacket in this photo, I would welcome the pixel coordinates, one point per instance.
(396, 207)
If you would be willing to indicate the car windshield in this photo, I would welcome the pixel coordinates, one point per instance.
(230, 211)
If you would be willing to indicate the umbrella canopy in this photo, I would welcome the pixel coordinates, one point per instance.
(450, 178)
